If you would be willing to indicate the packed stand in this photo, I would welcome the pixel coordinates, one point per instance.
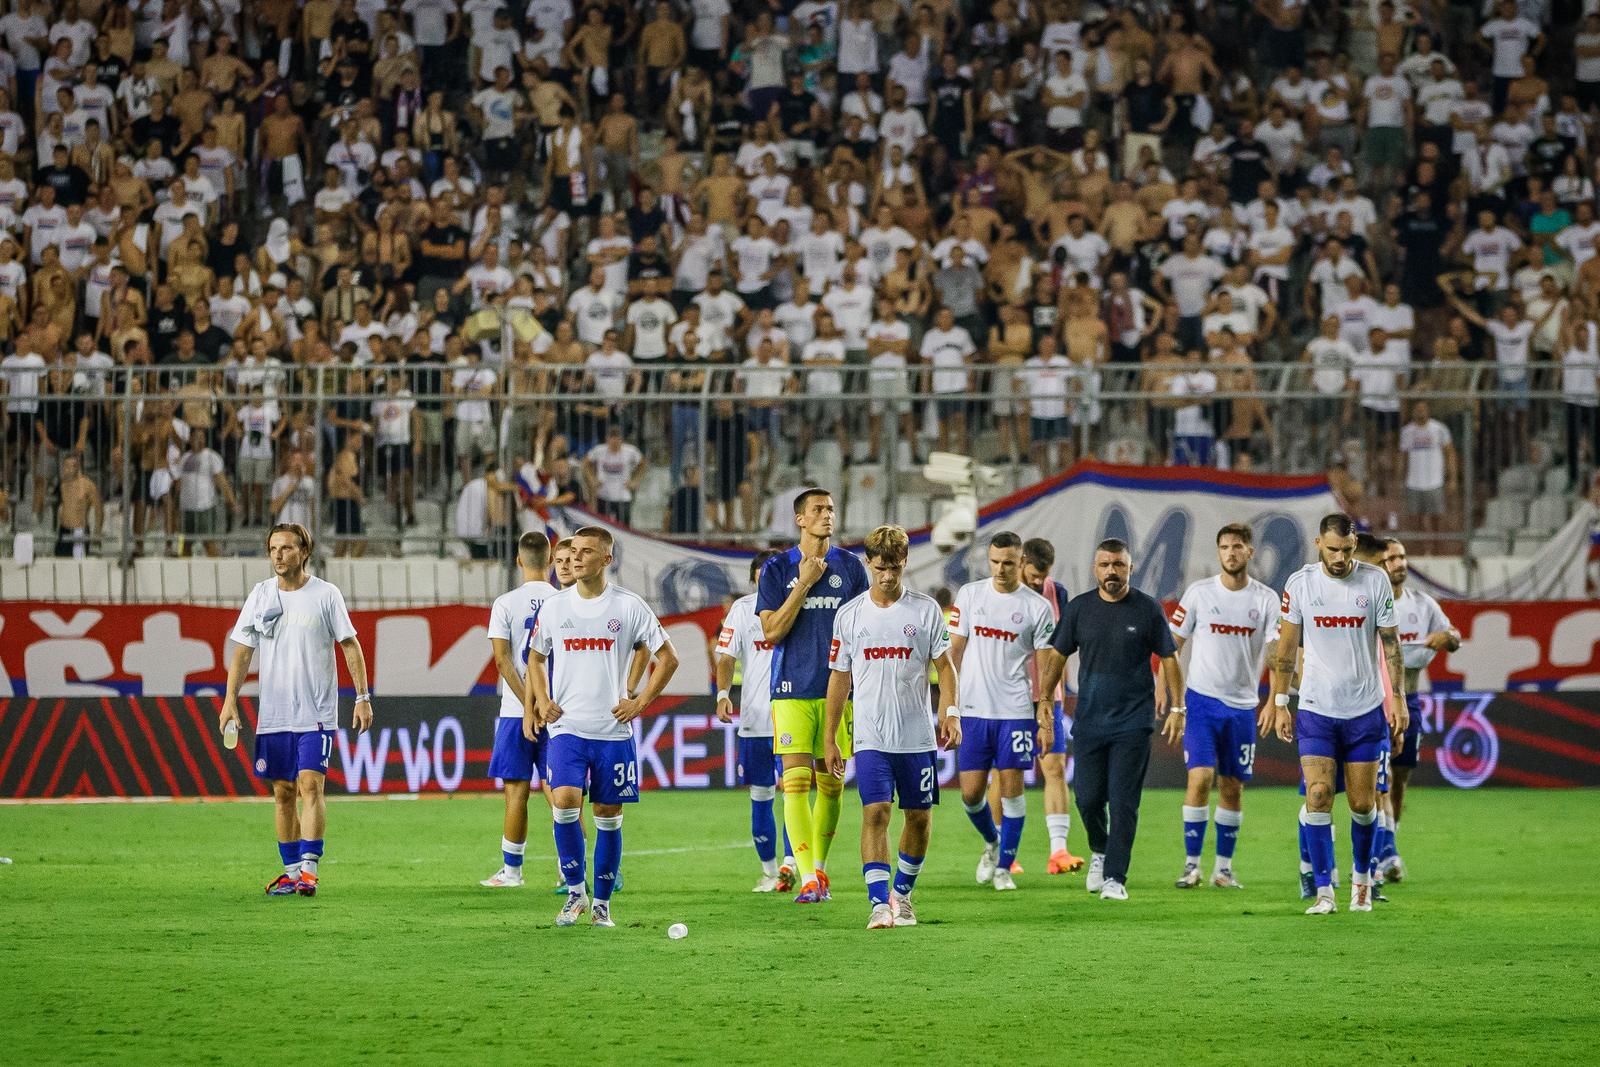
(320, 245)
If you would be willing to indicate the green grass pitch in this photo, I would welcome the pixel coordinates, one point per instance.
(139, 934)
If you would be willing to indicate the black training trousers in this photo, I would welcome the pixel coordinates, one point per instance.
(1108, 775)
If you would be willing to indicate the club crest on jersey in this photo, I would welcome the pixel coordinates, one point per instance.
(261, 766)
(786, 738)
(1016, 616)
(1255, 615)
(614, 625)
(910, 631)
(1363, 601)
(834, 581)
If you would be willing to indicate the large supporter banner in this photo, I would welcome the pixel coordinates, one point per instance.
(1168, 515)
(170, 747)
(78, 650)
(56, 650)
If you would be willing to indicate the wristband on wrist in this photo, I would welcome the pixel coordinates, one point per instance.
(1180, 710)
(952, 712)
(1281, 700)
(363, 697)
(722, 694)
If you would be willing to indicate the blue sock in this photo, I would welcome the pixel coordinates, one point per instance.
(1194, 832)
(763, 827)
(1227, 822)
(1363, 827)
(905, 876)
(289, 853)
(983, 819)
(511, 852)
(1383, 843)
(1012, 812)
(1305, 846)
(569, 846)
(1319, 836)
(607, 854)
(310, 853)
(877, 876)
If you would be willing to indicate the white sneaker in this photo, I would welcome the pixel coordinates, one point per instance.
(1360, 896)
(504, 878)
(768, 884)
(602, 913)
(1113, 891)
(577, 903)
(1225, 880)
(988, 862)
(1003, 882)
(1190, 878)
(882, 917)
(903, 913)
(1397, 869)
(1095, 880)
(1324, 904)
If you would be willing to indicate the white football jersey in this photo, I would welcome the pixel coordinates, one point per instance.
(591, 643)
(1418, 615)
(511, 619)
(742, 638)
(1228, 633)
(294, 634)
(1003, 631)
(1339, 620)
(886, 652)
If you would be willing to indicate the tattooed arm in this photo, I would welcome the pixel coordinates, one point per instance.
(1398, 714)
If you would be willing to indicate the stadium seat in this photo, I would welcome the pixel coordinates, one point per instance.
(1555, 482)
(421, 585)
(174, 584)
(203, 586)
(447, 581)
(1505, 515)
(1519, 483)
(480, 582)
(67, 577)
(1548, 514)
(1487, 543)
(102, 580)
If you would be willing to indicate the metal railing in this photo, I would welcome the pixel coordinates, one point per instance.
(715, 452)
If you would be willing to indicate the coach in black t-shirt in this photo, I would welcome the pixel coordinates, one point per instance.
(1115, 630)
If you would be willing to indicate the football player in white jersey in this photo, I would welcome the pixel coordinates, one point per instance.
(516, 760)
(1230, 620)
(998, 626)
(884, 641)
(1038, 556)
(592, 629)
(741, 643)
(290, 623)
(1425, 631)
(1343, 608)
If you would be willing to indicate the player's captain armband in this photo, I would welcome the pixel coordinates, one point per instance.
(725, 638)
(955, 617)
(833, 651)
(1286, 601)
(1178, 615)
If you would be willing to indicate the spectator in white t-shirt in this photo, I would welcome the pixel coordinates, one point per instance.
(612, 471)
(1430, 467)
(201, 482)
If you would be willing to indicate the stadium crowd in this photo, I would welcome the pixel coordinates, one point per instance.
(418, 208)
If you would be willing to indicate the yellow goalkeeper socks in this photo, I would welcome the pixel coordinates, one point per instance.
(825, 816)
(797, 820)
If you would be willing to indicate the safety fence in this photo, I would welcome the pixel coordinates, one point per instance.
(377, 457)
